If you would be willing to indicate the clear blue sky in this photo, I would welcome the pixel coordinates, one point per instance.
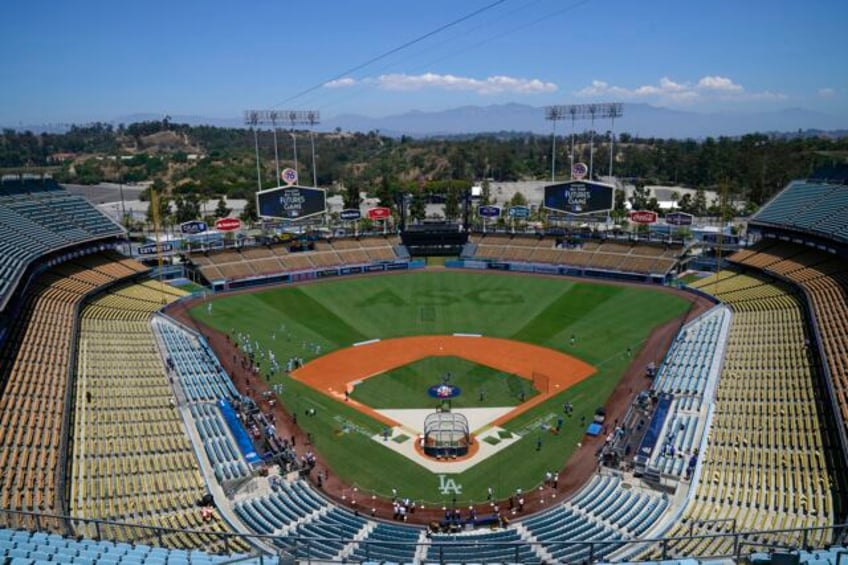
(85, 60)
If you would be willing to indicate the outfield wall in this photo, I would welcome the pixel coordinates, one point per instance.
(314, 274)
(548, 269)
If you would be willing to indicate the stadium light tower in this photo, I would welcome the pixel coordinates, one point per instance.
(552, 113)
(576, 112)
(294, 118)
(612, 111)
(294, 148)
(273, 117)
(313, 119)
(251, 118)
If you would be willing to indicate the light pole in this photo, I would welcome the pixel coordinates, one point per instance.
(294, 118)
(312, 118)
(582, 112)
(314, 169)
(552, 114)
(118, 163)
(273, 117)
(294, 148)
(592, 111)
(251, 118)
(573, 112)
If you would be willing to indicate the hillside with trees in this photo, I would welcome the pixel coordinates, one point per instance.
(188, 162)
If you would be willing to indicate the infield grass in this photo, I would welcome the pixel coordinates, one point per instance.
(407, 386)
(604, 320)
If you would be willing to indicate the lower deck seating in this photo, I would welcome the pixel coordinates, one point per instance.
(235, 264)
(605, 256)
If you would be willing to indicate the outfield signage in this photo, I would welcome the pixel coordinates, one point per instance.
(715, 238)
(554, 217)
(489, 211)
(151, 248)
(643, 217)
(291, 202)
(379, 213)
(579, 197)
(519, 212)
(678, 219)
(227, 224)
(350, 214)
(194, 226)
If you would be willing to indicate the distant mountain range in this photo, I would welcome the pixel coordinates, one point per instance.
(641, 120)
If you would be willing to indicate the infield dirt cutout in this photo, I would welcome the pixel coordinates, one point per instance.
(341, 370)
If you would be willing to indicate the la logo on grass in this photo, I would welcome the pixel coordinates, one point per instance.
(448, 486)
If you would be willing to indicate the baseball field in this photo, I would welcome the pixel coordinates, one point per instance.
(596, 324)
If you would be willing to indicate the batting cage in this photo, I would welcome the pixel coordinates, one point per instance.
(446, 435)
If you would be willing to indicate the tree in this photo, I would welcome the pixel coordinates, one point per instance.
(221, 211)
(417, 208)
(699, 205)
(685, 204)
(653, 204)
(249, 215)
(187, 208)
(452, 204)
(386, 192)
(518, 199)
(486, 193)
(640, 198)
(619, 209)
(675, 198)
(164, 210)
(351, 197)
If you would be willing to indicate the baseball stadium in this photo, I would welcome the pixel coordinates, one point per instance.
(424, 394)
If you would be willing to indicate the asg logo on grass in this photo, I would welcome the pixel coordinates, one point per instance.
(448, 486)
(481, 297)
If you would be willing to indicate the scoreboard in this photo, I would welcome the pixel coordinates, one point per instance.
(291, 202)
(579, 197)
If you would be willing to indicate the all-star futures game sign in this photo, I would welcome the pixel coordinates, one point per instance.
(291, 202)
(579, 197)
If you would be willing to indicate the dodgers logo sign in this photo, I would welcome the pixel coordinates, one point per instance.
(289, 176)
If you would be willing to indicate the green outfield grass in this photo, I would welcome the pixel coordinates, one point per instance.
(406, 387)
(604, 320)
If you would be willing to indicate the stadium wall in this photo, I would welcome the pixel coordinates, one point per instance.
(547, 269)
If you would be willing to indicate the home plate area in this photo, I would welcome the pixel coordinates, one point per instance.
(404, 438)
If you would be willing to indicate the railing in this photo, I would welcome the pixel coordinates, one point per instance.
(292, 548)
